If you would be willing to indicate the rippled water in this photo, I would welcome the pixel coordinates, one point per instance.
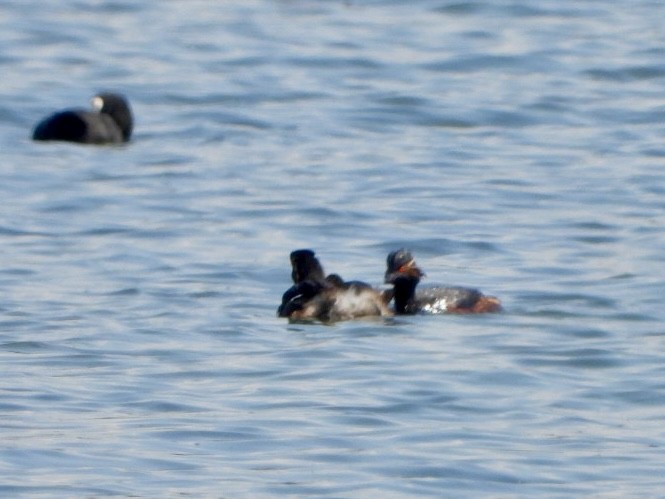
(513, 146)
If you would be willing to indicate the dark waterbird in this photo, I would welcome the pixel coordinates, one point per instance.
(327, 299)
(109, 122)
(403, 273)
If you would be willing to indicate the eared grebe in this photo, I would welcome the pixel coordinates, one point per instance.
(305, 266)
(327, 299)
(110, 122)
(403, 273)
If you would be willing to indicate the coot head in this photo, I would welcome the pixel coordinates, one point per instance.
(117, 107)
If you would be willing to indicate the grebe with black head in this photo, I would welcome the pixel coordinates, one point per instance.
(404, 274)
(327, 299)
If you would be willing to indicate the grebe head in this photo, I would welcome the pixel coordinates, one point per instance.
(401, 264)
(305, 266)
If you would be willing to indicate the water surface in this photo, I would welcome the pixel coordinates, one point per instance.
(512, 147)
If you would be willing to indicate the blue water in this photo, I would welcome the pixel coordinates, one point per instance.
(513, 146)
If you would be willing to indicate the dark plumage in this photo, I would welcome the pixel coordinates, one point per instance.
(305, 266)
(403, 273)
(110, 122)
(327, 299)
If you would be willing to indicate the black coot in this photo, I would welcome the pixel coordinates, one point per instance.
(110, 122)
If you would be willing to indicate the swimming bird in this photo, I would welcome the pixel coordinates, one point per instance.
(327, 299)
(109, 122)
(403, 273)
(305, 266)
